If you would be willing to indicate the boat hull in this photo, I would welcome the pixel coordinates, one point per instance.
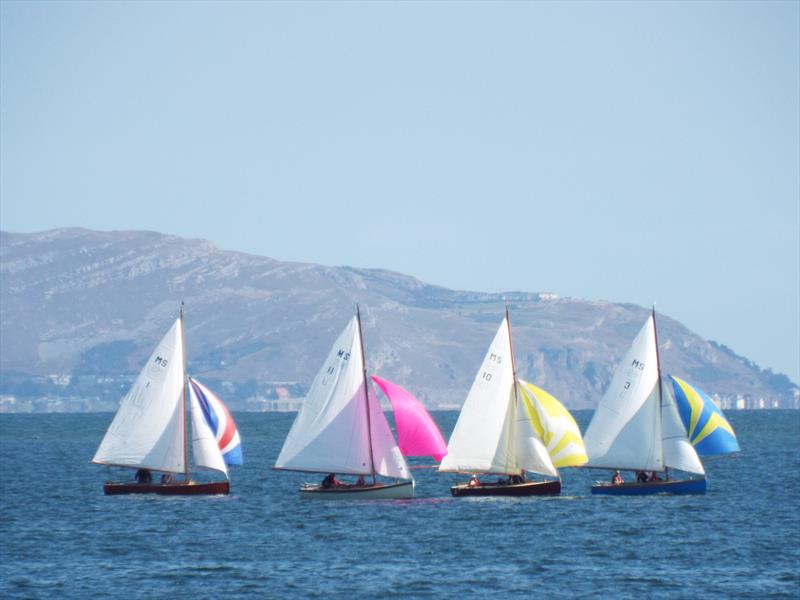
(380, 491)
(527, 488)
(115, 488)
(678, 486)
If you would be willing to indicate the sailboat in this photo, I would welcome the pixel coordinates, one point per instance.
(341, 429)
(508, 426)
(150, 431)
(637, 427)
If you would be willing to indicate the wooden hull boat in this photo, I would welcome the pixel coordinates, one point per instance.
(394, 491)
(180, 488)
(678, 486)
(527, 488)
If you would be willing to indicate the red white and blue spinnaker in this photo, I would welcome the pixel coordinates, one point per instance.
(219, 420)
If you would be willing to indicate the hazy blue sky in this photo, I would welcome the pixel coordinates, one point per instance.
(622, 151)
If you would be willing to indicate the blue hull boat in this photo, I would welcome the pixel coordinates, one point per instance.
(678, 486)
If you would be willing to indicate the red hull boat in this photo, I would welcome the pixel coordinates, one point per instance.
(191, 488)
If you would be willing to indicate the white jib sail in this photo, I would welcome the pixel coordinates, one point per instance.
(483, 438)
(678, 451)
(388, 459)
(329, 434)
(148, 429)
(205, 449)
(625, 431)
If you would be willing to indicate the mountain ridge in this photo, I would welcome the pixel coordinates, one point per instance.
(82, 309)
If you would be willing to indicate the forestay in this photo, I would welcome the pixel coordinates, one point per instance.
(625, 431)
(148, 429)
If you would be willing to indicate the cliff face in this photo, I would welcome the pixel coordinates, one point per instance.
(82, 309)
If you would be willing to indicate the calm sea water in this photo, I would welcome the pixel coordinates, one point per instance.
(61, 537)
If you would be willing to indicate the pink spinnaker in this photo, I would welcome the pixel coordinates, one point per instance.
(417, 433)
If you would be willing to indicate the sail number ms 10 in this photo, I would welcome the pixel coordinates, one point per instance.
(492, 358)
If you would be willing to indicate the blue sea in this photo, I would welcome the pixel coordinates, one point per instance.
(62, 538)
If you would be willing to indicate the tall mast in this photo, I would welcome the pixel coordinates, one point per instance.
(185, 415)
(658, 367)
(513, 363)
(366, 393)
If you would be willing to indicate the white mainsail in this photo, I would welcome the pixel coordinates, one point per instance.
(492, 434)
(482, 438)
(625, 431)
(148, 429)
(205, 449)
(330, 433)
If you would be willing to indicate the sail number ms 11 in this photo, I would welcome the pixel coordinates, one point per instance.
(340, 354)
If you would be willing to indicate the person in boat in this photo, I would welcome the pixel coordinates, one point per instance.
(361, 482)
(143, 476)
(330, 482)
(516, 479)
(654, 477)
(474, 481)
(617, 478)
(166, 478)
(641, 477)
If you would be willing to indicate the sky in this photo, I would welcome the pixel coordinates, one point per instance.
(632, 152)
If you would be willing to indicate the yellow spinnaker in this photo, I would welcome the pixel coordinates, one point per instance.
(554, 424)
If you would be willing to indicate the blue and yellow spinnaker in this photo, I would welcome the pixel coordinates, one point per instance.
(708, 429)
